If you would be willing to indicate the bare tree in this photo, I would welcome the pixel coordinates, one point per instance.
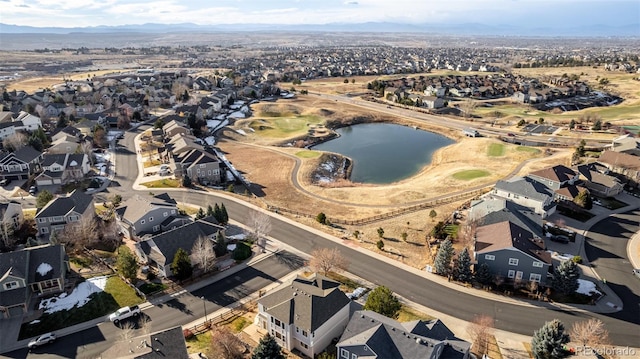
(481, 330)
(128, 331)
(327, 260)
(590, 333)
(7, 229)
(260, 226)
(81, 233)
(467, 106)
(15, 141)
(86, 147)
(110, 233)
(469, 233)
(224, 344)
(203, 253)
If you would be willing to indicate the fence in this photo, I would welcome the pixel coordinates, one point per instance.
(392, 214)
(223, 318)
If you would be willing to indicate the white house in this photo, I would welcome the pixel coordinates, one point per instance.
(29, 122)
(528, 193)
(305, 314)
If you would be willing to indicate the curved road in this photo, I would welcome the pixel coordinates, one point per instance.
(623, 326)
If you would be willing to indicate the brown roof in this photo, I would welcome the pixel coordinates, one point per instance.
(558, 173)
(620, 159)
(570, 191)
(506, 235)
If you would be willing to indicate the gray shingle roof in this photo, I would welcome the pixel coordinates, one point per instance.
(525, 187)
(77, 201)
(508, 235)
(52, 255)
(307, 302)
(137, 206)
(27, 154)
(390, 339)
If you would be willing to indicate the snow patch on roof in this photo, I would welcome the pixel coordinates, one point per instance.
(44, 268)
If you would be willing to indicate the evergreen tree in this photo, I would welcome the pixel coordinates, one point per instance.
(181, 266)
(442, 263)
(126, 263)
(268, 348)
(548, 341)
(381, 300)
(43, 198)
(200, 213)
(565, 277)
(221, 245)
(186, 181)
(463, 267)
(216, 213)
(483, 274)
(321, 218)
(210, 211)
(225, 215)
(62, 120)
(583, 199)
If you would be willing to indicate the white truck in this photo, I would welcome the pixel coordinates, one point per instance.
(124, 313)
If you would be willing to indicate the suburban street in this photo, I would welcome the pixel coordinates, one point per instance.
(184, 308)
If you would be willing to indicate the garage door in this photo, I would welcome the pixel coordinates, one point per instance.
(57, 181)
(44, 182)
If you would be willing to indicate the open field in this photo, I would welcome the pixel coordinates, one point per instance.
(469, 175)
(495, 150)
(308, 154)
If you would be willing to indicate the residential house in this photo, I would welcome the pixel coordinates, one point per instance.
(8, 129)
(200, 165)
(599, 184)
(528, 193)
(19, 165)
(64, 210)
(159, 250)
(29, 122)
(145, 215)
(626, 144)
(373, 336)
(490, 210)
(432, 102)
(521, 97)
(512, 253)
(63, 168)
(623, 164)
(561, 179)
(34, 271)
(174, 127)
(305, 314)
(64, 143)
(169, 343)
(11, 215)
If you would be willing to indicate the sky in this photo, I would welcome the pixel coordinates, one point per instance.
(528, 13)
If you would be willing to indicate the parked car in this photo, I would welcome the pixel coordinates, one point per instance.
(33, 190)
(511, 134)
(559, 238)
(42, 340)
(637, 272)
(124, 313)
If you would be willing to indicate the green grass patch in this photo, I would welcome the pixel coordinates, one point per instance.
(612, 203)
(495, 150)
(239, 323)
(408, 314)
(284, 126)
(468, 175)
(200, 343)
(82, 262)
(151, 163)
(526, 149)
(308, 154)
(100, 304)
(346, 284)
(452, 230)
(149, 288)
(163, 183)
(121, 292)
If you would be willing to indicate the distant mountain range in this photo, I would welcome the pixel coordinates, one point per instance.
(630, 30)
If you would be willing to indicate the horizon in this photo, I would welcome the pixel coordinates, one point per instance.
(516, 14)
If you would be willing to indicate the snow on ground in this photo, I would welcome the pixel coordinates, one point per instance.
(241, 132)
(44, 268)
(561, 256)
(587, 287)
(237, 237)
(211, 124)
(79, 296)
(210, 140)
(328, 166)
(102, 157)
(231, 247)
(34, 321)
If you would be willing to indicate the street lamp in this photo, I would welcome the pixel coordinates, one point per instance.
(204, 304)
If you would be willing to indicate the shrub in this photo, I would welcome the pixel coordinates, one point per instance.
(188, 334)
(380, 244)
(151, 276)
(577, 259)
(242, 252)
(321, 218)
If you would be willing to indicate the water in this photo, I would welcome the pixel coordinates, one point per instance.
(385, 153)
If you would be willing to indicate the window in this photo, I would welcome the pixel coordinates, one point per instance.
(538, 264)
(513, 261)
(489, 257)
(142, 221)
(533, 277)
(511, 274)
(519, 275)
(44, 230)
(150, 219)
(304, 333)
(516, 196)
(11, 285)
(277, 323)
(156, 228)
(173, 211)
(165, 214)
(344, 353)
(202, 166)
(304, 345)
(354, 356)
(42, 220)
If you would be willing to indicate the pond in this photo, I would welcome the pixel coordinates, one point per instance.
(384, 153)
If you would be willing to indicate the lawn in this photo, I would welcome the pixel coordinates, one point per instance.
(408, 314)
(612, 203)
(452, 230)
(531, 150)
(122, 293)
(346, 284)
(149, 288)
(238, 324)
(469, 175)
(308, 154)
(189, 210)
(199, 343)
(151, 163)
(163, 183)
(284, 126)
(495, 150)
